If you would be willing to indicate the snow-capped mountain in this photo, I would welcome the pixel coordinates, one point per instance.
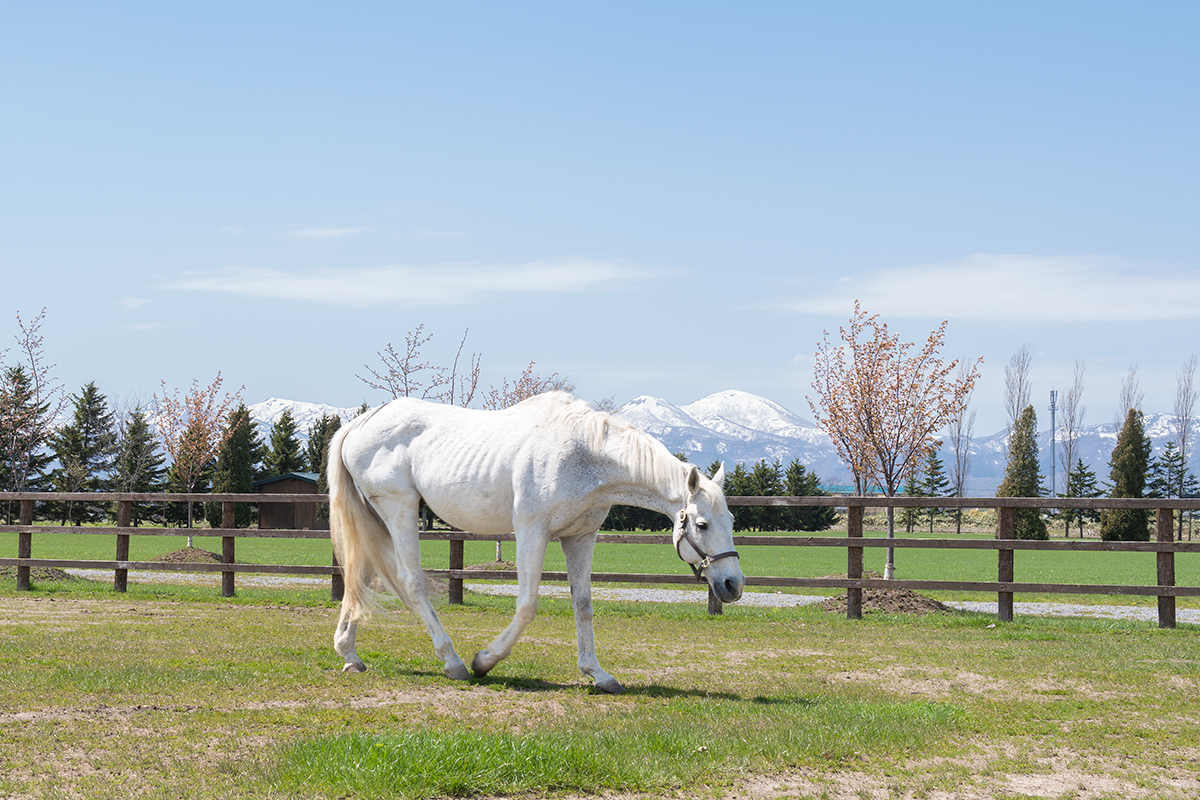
(266, 413)
(734, 426)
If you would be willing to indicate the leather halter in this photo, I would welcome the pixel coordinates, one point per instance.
(706, 560)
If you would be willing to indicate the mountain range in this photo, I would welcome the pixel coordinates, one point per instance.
(734, 426)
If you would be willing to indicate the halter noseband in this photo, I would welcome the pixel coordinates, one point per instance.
(706, 560)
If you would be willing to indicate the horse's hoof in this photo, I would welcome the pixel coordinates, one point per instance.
(354, 666)
(610, 686)
(458, 673)
(477, 665)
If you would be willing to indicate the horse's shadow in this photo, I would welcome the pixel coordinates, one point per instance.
(517, 683)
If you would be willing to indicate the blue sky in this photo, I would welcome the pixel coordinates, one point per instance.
(650, 198)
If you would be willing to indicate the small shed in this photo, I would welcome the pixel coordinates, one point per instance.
(296, 516)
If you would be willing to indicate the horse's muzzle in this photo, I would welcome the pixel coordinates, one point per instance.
(728, 590)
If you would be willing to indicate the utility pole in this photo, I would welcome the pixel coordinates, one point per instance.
(1053, 458)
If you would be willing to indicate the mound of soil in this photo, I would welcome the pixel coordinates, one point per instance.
(190, 555)
(892, 601)
(506, 566)
(36, 574)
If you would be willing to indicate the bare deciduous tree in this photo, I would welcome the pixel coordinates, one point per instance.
(1072, 415)
(961, 429)
(1185, 411)
(1017, 388)
(526, 386)
(1130, 398)
(882, 406)
(193, 430)
(408, 375)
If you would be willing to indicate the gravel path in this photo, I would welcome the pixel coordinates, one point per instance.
(697, 596)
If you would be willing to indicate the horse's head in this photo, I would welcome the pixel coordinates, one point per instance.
(704, 535)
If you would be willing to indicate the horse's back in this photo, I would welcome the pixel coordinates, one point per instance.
(469, 466)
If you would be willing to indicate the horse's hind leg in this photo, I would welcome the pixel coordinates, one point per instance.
(578, 553)
(343, 640)
(405, 577)
(531, 557)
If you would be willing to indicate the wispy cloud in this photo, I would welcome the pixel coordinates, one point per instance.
(131, 303)
(439, 284)
(1015, 288)
(323, 232)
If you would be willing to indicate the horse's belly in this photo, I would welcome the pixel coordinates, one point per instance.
(472, 510)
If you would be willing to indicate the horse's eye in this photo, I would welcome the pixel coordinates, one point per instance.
(702, 524)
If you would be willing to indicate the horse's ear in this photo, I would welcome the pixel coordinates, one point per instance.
(693, 480)
(719, 478)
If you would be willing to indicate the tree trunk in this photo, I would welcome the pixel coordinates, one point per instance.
(889, 571)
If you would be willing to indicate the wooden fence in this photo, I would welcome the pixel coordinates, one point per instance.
(1005, 586)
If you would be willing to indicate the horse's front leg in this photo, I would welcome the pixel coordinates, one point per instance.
(578, 552)
(531, 557)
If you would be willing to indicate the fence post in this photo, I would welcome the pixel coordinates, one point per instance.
(455, 594)
(1005, 529)
(124, 519)
(228, 520)
(25, 545)
(337, 583)
(1166, 568)
(854, 561)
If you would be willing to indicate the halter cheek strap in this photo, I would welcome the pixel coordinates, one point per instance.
(706, 560)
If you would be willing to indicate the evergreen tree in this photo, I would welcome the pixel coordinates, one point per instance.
(1130, 463)
(934, 482)
(1022, 477)
(85, 449)
(237, 466)
(319, 436)
(1081, 482)
(799, 482)
(138, 466)
(24, 457)
(737, 484)
(912, 488)
(1165, 475)
(766, 480)
(285, 454)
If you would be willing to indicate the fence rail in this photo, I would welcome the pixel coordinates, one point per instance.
(1005, 545)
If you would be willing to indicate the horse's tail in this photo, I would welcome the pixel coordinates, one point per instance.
(360, 540)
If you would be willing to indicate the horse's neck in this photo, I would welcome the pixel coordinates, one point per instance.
(658, 482)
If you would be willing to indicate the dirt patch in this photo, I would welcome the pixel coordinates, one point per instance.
(891, 601)
(36, 574)
(503, 566)
(190, 555)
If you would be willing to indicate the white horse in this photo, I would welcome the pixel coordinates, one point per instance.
(547, 468)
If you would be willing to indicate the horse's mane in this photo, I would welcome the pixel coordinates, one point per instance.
(646, 459)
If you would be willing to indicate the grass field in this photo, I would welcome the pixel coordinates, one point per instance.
(115, 696)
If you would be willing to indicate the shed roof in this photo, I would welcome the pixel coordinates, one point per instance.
(307, 477)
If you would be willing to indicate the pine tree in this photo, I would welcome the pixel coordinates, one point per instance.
(138, 466)
(1130, 463)
(1081, 482)
(934, 482)
(85, 449)
(1022, 477)
(799, 482)
(319, 436)
(737, 484)
(24, 436)
(766, 481)
(237, 467)
(912, 488)
(285, 454)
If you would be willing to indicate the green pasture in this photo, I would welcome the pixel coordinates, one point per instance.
(980, 565)
(105, 696)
